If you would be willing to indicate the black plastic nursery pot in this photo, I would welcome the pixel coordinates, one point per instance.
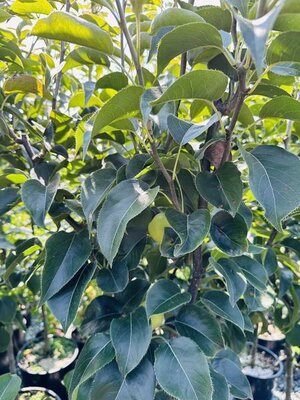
(35, 389)
(262, 387)
(50, 380)
(274, 345)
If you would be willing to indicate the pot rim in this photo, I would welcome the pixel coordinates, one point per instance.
(39, 389)
(272, 354)
(55, 370)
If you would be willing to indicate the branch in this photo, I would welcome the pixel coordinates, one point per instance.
(124, 29)
(24, 141)
(272, 237)
(198, 271)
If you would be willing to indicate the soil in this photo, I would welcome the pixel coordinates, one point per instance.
(34, 360)
(265, 366)
(34, 396)
(279, 386)
(273, 334)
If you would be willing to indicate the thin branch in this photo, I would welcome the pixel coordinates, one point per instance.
(272, 237)
(75, 225)
(24, 141)
(124, 29)
(198, 271)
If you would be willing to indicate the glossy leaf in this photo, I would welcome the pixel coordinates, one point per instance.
(190, 377)
(191, 229)
(208, 85)
(114, 279)
(256, 32)
(218, 302)
(114, 80)
(9, 386)
(70, 296)
(186, 37)
(8, 309)
(274, 180)
(8, 198)
(254, 271)
(124, 104)
(38, 198)
(124, 202)
(24, 84)
(223, 188)
(131, 297)
(96, 353)
(235, 282)
(202, 327)
(31, 6)
(284, 107)
(229, 234)
(163, 296)
(283, 54)
(94, 190)
(138, 384)
(221, 387)
(183, 132)
(241, 5)
(60, 25)
(174, 17)
(131, 338)
(65, 255)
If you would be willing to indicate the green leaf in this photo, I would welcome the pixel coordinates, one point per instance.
(85, 56)
(124, 104)
(229, 233)
(284, 107)
(8, 309)
(63, 26)
(38, 198)
(186, 37)
(183, 132)
(219, 17)
(221, 388)
(271, 263)
(283, 54)
(8, 198)
(132, 296)
(241, 5)
(163, 296)
(202, 327)
(190, 377)
(9, 386)
(191, 229)
(131, 338)
(139, 384)
(173, 17)
(235, 282)
(293, 336)
(96, 353)
(31, 6)
(94, 190)
(223, 188)
(274, 180)
(65, 255)
(219, 303)
(124, 202)
(208, 85)
(24, 84)
(256, 32)
(114, 80)
(287, 22)
(70, 296)
(254, 272)
(114, 279)
(4, 339)
(99, 314)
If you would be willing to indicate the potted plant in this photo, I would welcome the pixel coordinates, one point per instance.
(36, 393)
(154, 177)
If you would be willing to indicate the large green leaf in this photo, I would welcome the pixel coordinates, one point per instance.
(24, 84)
(31, 6)
(182, 370)
(221, 387)
(8, 309)
(124, 104)
(38, 198)
(65, 255)
(93, 191)
(229, 234)
(131, 297)
(191, 229)
(223, 188)
(8, 198)
(96, 353)
(208, 85)
(114, 80)
(202, 327)
(274, 176)
(124, 202)
(284, 107)
(186, 37)
(60, 25)
(9, 386)
(131, 338)
(254, 271)
(174, 17)
(111, 385)
(85, 56)
(163, 296)
(218, 302)
(183, 132)
(235, 282)
(288, 22)
(70, 296)
(256, 32)
(283, 54)
(219, 17)
(114, 279)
